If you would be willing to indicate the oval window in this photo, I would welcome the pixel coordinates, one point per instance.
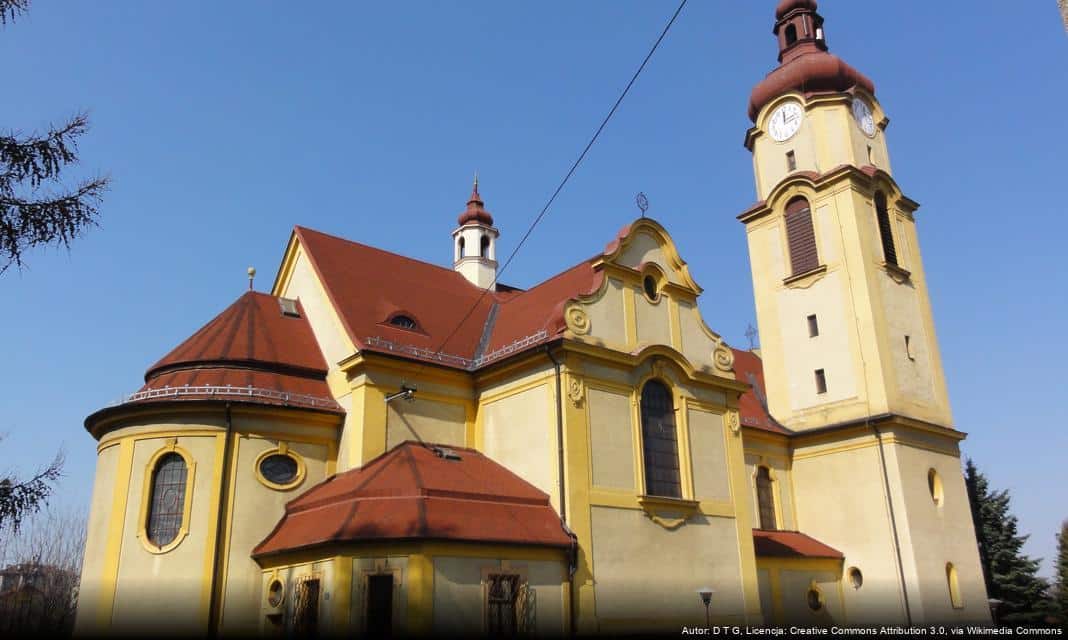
(651, 290)
(279, 469)
(856, 578)
(815, 599)
(934, 484)
(275, 593)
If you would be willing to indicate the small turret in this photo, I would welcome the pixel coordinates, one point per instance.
(475, 242)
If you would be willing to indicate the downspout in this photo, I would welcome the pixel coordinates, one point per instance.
(572, 563)
(213, 603)
(893, 524)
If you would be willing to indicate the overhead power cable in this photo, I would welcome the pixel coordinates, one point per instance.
(560, 187)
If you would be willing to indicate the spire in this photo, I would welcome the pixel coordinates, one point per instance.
(805, 65)
(475, 211)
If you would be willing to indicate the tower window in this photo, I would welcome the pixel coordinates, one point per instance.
(954, 586)
(659, 446)
(800, 237)
(483, 249)
(791, 34)
(460, 244)
(791, 161)
(821, 381)
(813, 326)
(765, 498)
(885, 231)
(871, 158)
(908, 348)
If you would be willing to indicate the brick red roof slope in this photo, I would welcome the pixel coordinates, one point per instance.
(410, 492)
(368, 286)
(753, 404)
(251, 352)
(791, 544)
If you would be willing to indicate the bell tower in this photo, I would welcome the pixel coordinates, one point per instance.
(842, 306)
(474, 242)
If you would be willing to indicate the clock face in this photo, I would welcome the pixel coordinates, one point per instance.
(785, 121)
(862, 114)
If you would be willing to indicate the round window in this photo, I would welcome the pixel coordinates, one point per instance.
(815, 600)
(856, 578)
(275, 593)
(934, 484)
(279, 469)
(651, 290)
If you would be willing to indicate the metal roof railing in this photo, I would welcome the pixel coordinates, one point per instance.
(451, 359)
(230, 391)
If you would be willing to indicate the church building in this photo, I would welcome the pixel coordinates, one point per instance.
(384, 445)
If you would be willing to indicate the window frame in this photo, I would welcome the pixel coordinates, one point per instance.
(677, 433)
(796, 268)
(171, 447)
(773, 507)
(282, 449)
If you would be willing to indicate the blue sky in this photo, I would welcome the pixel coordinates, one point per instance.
(222, 125)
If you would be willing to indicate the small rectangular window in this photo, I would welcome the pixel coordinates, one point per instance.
(908, 348)
(871, 156)
(502, 591)
(289, 307)
(821, 381)
(791, 161)
(813, 326)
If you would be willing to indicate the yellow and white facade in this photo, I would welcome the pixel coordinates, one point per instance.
(851, 478)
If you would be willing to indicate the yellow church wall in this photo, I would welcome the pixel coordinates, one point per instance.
(297, 279)
(935, 533)
(645, 247)
(427, 420)
(92, 586)
(254, 508)
(332, 618)
(708, 455)
(148, 582)
(841, 501)
(638, 590)
(364, 567)
(611, 438)
(652, 319)
(778, 464)
(519, 432)
(793, 583)
(697, 340)
(608, 321)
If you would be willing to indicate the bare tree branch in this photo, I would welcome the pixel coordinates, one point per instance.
(11, 8)
(21, 498)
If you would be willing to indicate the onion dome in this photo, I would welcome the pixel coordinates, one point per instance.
(475, 212)
(805, 64)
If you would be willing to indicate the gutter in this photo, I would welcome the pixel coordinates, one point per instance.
(572, 561)
(893, 525)
(214, 603)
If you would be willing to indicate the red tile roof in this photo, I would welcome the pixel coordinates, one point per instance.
(438, 299)
(251, 352)
(753, 404)
(791, 544)
(410, 492)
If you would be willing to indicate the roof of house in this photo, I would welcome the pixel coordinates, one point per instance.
(791, 544)
(416, 491)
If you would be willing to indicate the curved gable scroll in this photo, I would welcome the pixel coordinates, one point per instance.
(645, 241)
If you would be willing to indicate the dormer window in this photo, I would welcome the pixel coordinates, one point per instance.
(402, 321)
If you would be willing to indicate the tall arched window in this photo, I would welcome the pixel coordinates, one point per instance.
(791, 34)
(460, 243)
(483, 249)
(765, 498)
(954, 586)
(659, 445)
(800, 237)
(885, 232)
(168, 499)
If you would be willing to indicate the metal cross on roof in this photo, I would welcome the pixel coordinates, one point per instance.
(752, 334)
(643, 202)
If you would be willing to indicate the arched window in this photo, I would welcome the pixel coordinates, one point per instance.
(791, 34)
(168, 499)
(885, 232)
(765, 498)
(659, 445)
(954, 586)
(483, 249)
(460, 244)
(800, 237)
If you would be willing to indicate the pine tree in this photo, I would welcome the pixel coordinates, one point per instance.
(1011, 576)
(1061, 577)
(35, 209)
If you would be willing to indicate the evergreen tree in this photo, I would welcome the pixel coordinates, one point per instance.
(1011, 576)
(35, 209)
(1061, 577)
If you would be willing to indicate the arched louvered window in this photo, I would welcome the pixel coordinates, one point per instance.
(800, 237)
(885, 232)
(166, 509)
(460, 244)
(660, 447)
(483, 249)
(765, 498)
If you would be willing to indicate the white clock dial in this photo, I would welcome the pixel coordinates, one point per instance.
(862, 114)
(785, 121)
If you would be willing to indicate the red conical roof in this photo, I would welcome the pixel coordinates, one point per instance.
(475, 211)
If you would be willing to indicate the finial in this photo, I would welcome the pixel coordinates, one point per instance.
(251, 275)
(642, 202)
(476, 179)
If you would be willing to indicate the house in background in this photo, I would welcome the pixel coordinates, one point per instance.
(382, 444)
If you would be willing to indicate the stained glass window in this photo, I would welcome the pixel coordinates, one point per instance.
(168, 499)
